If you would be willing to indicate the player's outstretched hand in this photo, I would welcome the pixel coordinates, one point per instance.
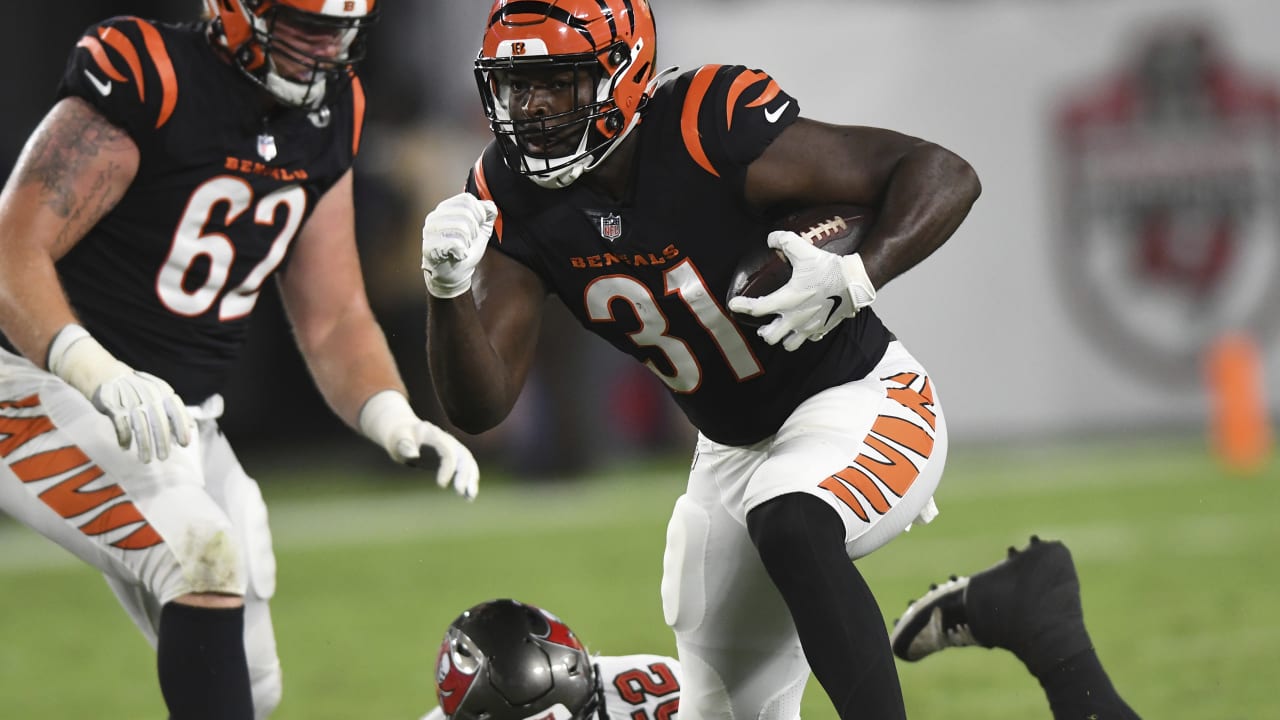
(824, 290)
(387, 419)
(145, 410)
(454, 237)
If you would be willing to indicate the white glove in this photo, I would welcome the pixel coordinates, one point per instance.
(387, 419)
(454, 237)
(142, 407)
(823, 291)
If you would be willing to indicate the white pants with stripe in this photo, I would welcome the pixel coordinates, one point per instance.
(873, 450)
(193, 523)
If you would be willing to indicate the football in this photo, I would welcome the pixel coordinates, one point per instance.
(837, 229)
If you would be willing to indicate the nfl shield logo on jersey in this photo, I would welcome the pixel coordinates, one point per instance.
(267, 146)
(611, 227)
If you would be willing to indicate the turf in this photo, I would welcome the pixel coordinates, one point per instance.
(1178, 562)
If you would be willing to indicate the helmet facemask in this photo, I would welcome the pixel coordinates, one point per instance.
(554, 149)
(301, 58)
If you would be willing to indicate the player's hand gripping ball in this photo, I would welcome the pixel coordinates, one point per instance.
(837, 229)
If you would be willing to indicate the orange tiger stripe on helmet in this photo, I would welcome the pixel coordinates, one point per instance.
(164, 67)
(482, 186)
(99, 55)
(689, 116)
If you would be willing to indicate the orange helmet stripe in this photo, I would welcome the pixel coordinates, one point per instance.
(164, 66)
(689, 116)
(482, 186)
(99, 55)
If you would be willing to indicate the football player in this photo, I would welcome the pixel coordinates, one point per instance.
(631, 194)
(504, 660)
(179, 170)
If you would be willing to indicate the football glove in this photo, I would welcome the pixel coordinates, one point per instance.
(454, 237)
(387, 419)
(824, 290)
(144, 409)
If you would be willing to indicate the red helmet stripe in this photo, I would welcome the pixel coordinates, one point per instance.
(689, 116)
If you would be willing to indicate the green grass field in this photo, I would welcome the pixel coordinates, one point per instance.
(1179, 564)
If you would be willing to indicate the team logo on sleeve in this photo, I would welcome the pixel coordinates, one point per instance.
(1169, 220)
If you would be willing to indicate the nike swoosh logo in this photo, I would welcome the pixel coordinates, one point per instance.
(103, 87)
(836, 301)
(773, 115)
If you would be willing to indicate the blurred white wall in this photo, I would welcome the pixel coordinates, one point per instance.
(992, 314)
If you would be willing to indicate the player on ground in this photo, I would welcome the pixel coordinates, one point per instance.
(1028, 604)
(503, 660)
(181, 167)
(631, 195)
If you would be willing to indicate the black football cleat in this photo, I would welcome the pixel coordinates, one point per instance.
(1028, 603)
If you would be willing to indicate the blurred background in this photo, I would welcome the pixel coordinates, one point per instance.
(1128, 234)
(1102, 326)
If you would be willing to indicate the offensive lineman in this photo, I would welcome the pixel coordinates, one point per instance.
(631, 196)
(181, 167)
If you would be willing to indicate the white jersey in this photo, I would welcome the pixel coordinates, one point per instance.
(636, 687)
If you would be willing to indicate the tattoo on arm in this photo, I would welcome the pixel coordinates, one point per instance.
(63, 159)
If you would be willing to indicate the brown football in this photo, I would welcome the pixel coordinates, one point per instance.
(837, 229)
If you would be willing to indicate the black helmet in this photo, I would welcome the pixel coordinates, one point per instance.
(504, 660)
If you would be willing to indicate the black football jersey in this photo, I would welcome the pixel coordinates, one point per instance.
(167, 280)
(650, 273)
